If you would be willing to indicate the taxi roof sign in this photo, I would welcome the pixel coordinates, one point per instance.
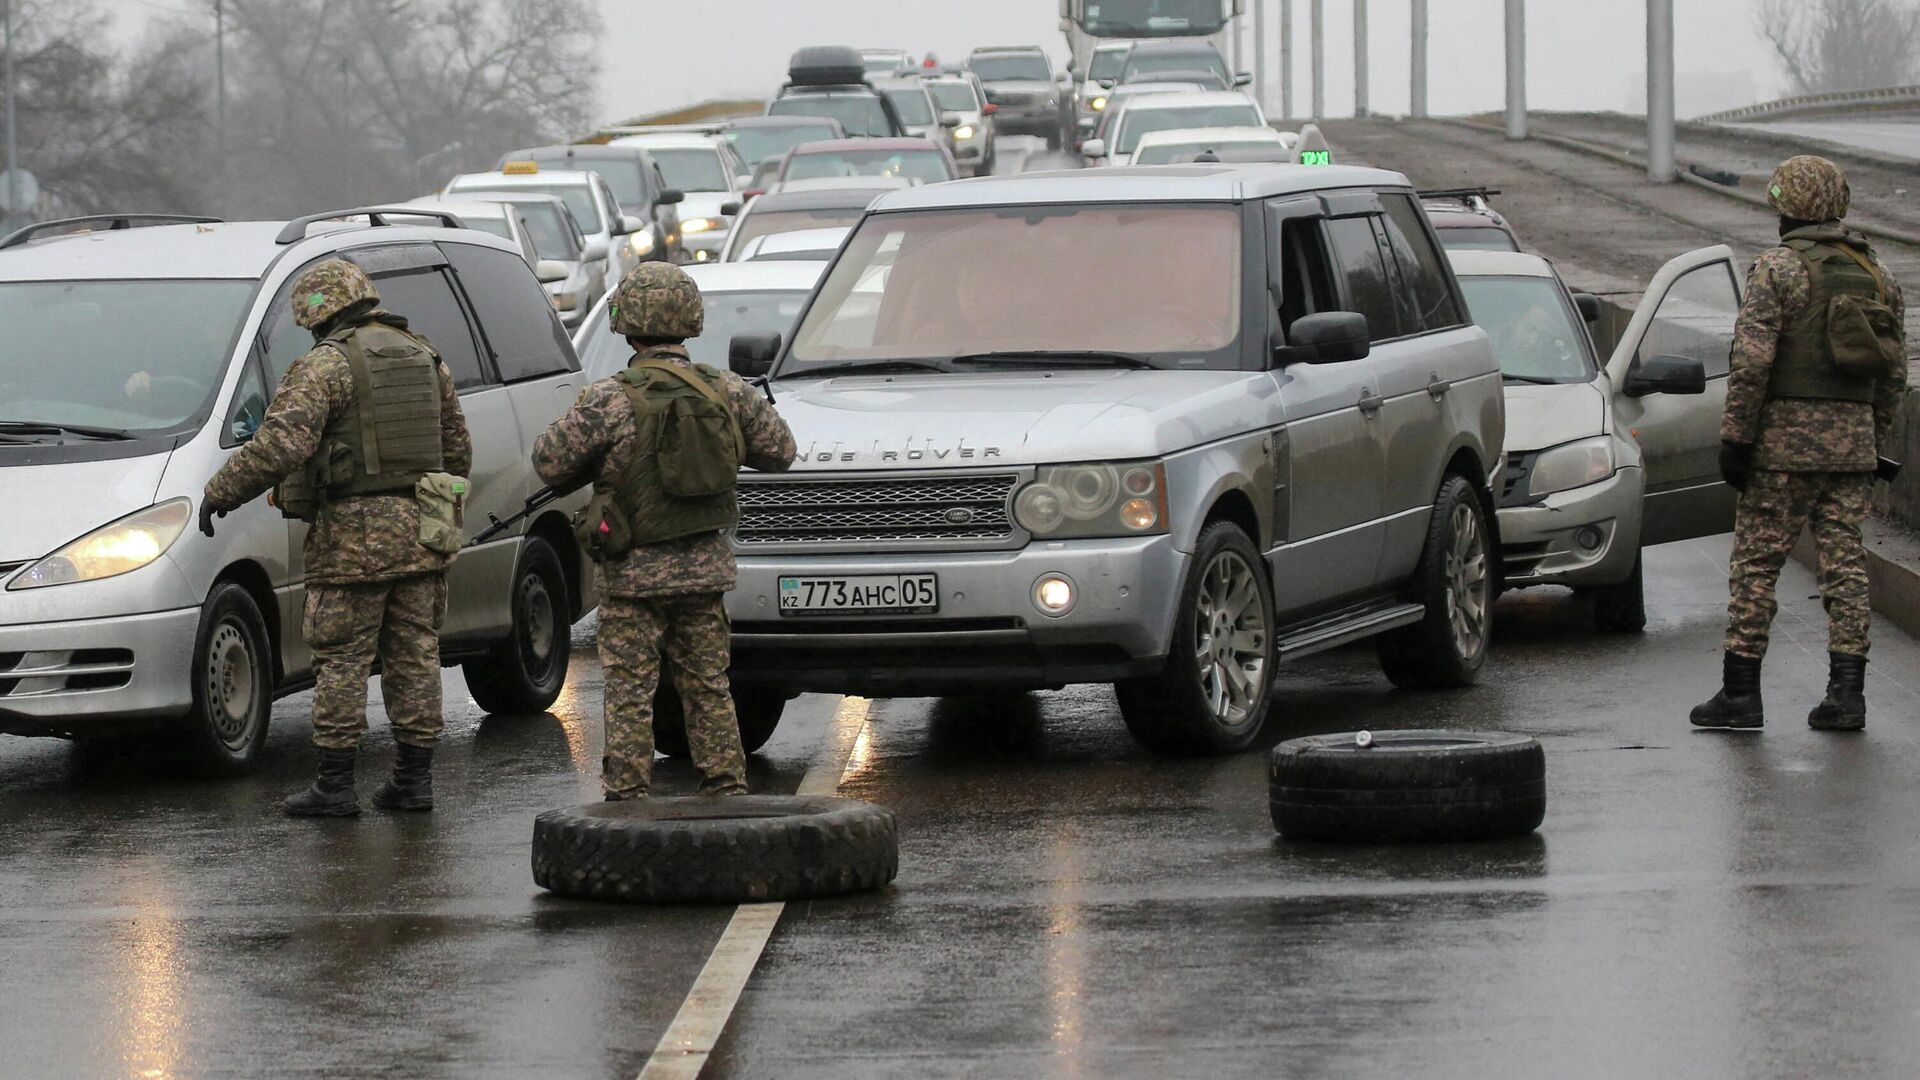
(520, 168)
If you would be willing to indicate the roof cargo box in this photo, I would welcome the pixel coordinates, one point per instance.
(826, 65)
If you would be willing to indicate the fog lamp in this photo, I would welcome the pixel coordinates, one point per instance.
(1053, 594)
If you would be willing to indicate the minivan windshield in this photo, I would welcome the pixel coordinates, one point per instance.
(128, 355)
(757, 144)
(621, 175)
(1141, 67)
(936, 285)
(859, 114)
(692, 169)
(913, 107)
(578, 197)
(728, 313)
(1535, 334)
(1107, 63)
(1140, 119)
(955, 96)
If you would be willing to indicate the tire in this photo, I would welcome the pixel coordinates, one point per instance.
(1191, 707)
(758, 712)
(1622, 608)
(232, 684)
(1409, 786)
(725, 850)
(525, 672)
(1454, 579)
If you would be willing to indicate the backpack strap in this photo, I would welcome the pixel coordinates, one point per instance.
(706, 390)
(1866, 264)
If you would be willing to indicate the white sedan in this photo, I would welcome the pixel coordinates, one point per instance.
(1177, 144)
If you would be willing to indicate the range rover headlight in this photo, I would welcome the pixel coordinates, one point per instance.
(1094, 500)
(1571, 465)
(111, 550)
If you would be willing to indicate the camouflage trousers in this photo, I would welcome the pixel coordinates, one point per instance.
(397, 622)
(692, 632)
(1776, 507)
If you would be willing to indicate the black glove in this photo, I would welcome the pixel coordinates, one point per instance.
(1886, 469)
(207, 514)
(1736, 464)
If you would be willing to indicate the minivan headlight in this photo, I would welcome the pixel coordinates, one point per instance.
(640, 243)
(1094, 500)
(1571, 465)
(111, 550)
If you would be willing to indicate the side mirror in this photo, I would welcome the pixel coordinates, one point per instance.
(949, 120)
(989, 109)
(594, 251)
(1243, 79)
(1094, 148)
(752, 355)
(1666, 375)
(1105, 84)
(1588, 304)
(670, 196)
(1327, 337)
(550, 271)
(627, 225)
(731, 209)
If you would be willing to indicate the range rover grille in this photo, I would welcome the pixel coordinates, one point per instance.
(971, 509)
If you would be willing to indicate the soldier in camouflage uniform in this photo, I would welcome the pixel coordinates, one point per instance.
(663, 597)
(372, 588)
(1806, 430)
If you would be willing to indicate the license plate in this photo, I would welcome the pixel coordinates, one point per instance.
(872, 594)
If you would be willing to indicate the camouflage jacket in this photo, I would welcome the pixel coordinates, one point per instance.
(1792, 435)
(367, 539)
(596, 438)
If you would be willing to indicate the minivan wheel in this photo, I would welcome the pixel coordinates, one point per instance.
(757, 711)
(1622, 608)
(232, 683)
(1454, 580)
(524, 672)
(1212, 697)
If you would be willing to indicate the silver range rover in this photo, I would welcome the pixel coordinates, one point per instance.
(1264, 430)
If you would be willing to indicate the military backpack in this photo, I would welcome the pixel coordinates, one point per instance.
(1848, 339)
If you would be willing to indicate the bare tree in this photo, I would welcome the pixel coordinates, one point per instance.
(1828, 45)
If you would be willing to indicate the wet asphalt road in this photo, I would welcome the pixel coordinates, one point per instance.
(1697, 904)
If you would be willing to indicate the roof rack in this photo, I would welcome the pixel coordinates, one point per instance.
(113, 222)
(1459, 193)
(296, 230)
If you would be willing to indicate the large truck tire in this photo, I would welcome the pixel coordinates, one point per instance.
(1407, 786)
(716, 849)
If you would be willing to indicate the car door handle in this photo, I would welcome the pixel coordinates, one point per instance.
(1439, 387)
(1371, 402)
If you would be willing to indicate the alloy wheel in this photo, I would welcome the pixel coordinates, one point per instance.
(1230, 638)
(1467, 582)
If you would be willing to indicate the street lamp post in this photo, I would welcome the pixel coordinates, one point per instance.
(1360, 103)
(13, 146)
(1317, 12)
(1286, 59)
(1516, 69)
(1419, 95)
(1660, 166)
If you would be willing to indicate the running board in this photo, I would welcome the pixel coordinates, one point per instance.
(1347, 626)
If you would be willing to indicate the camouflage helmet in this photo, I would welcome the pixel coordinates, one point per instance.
(1808, 188)
(327, 290)
(657, 300)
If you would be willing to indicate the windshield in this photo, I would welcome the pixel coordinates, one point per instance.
(926, 166)
(1142, 67)
(913, 107)
(757, 144)
(859, 114)
(134, 355)
(692, 170)
(767, 223)
(1145, 18)
(1009, 66)
(578, 197)
(955, 97)
(1168, 153)
(1477, 238)
(1536, 333)
(1138, 121)
(622, 176)
(940, 284)
(552, 239)
(728, 313)
(490, 226)
(1107, 63)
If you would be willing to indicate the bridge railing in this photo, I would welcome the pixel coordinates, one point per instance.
(1882, 97)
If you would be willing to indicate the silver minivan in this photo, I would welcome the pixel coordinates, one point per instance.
(135, 355)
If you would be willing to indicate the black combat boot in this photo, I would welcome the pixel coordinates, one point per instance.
(411, 787)
(332, 792)
(1845, 708)
(1737, 705)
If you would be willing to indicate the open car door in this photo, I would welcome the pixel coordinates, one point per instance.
(1685, 320)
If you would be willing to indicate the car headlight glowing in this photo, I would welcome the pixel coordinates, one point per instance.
(1094, 500)
(964, 132)
(701, 224)
(1099, 104)
(111, 550)
(640, 243)
(1571, 465)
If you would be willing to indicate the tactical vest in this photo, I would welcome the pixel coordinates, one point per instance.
(388, 438)
(1805, 364)
(687, 453)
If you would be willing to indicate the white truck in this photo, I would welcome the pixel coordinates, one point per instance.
(1087, 23)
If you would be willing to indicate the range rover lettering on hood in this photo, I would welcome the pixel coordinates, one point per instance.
(911, 450)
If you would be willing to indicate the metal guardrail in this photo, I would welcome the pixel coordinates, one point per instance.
(1884, 96)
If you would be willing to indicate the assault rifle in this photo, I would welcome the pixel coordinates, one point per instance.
(497, 525)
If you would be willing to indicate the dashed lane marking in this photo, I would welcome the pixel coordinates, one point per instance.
(689, 1041)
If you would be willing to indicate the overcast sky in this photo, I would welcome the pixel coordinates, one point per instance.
(1582, 54)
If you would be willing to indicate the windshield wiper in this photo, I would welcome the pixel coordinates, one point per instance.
(30, 427)
(1072, 357)
(864, 367)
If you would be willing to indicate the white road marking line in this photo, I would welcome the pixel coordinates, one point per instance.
(683, 1051)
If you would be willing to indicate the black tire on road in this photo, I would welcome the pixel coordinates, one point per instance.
(1409, 786)
(1622, 608)
(758, 712)
(1454, 579)
(726, 850)
(232, 683)
(525, 672)
(1213, 696)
